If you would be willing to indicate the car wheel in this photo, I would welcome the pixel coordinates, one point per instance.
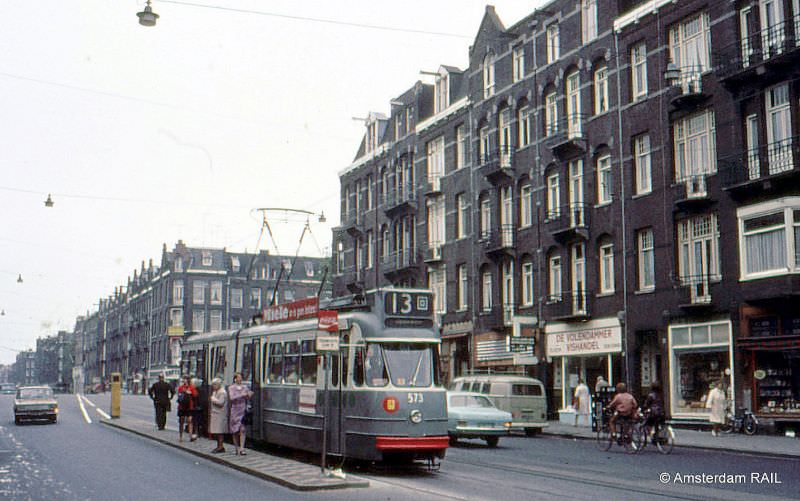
(531, 432)
(53, 420)
(492, 441)
(453, 440)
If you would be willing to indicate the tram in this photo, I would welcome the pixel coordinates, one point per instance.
(379, 397)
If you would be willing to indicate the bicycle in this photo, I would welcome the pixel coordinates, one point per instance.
(743, 421)
(627, 437)
(664, 440)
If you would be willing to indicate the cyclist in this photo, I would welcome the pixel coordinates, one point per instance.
(653, 408)
(624, 405)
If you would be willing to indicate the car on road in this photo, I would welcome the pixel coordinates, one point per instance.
(8, 388)
(472, 415)
(35, 403)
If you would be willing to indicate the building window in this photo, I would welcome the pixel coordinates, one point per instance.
(484, 145)
(604, 180)
(177, 292)
(553, 197)
(518, 64)
(198, 292)
(525, 206)
(340, 261)
(647, 261)
(309, 267)
(639, 71)
(436, 222)
(199, 321)
(507, 285)
(461, 146)
(553, 43)
(437, 283)
(698, 254)
(207, 258)
(589, 20)
(462, 215)
(551, 114)
(488, 76)
(574, 117)
(779, 129)
(236, 298)
(641, 155)
(255, 298)
(524, 125)
(236, 323)
(235, 266)
(435, 151)
(527, 284)
(554, 275)
(370, 249)
(178, 264)
(601, 90)
(486, 292)
(695, 146)
(607, 268)
(486, 218)
(442, 92)
(463, 287)
(370, 188)
(770, 238)
(216, 292)
(215, 320)
(690, 50)
(176, 317)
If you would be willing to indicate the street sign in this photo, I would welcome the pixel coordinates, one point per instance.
(525, 359)
(327, 343)
(522, 341)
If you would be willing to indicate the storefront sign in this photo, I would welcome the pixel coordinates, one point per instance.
(587, 340)
(296, 310)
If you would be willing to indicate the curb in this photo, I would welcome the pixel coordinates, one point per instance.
(782, 455)
(244, 469)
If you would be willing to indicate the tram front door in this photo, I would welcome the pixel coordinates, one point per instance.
(334, 411)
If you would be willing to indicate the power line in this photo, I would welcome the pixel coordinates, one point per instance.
(351, 24)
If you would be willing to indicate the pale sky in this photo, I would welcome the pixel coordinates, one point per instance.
(149, 135)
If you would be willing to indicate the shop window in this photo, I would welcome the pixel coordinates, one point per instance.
(777, 375)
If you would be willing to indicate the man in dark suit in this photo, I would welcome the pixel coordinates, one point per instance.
(161, 393)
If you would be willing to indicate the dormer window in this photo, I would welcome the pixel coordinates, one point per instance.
(442, 96)
(178, 263)
(207, 259)
(372, 135)
(488, 75)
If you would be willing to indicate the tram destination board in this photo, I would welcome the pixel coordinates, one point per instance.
(408, 304)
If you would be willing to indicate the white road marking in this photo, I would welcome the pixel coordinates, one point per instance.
(102, 413)
(83, 409)
(88, 401)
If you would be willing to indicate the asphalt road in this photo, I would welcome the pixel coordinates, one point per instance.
(77, 460)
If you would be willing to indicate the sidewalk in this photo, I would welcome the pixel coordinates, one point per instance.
(735, 442)
(292, 474)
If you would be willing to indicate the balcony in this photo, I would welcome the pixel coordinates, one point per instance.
(773, 50)
(569, 306)
(696, 291)
(567, 136)
(689, 87)
(762, 168)
(569, 222)
(432, 186)
(353, 223)
(693, 192)
(498, 241)
(400, 200)
(400, 262)
(353, 278)
(496, 166)
(434, 252)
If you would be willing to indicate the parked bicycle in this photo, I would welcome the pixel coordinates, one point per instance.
(627, 435)
(743, 421)
(663, 439)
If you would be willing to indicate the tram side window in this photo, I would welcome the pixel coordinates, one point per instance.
(308, 362)
(219, 364)
(345, 359)
(334, 370)
(291, 362)
(375, 366)
(358, 367)
(201, 367)
(275, 363)
(247, 362)
(437, 368)
(192, 370)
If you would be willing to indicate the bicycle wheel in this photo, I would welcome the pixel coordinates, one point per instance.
(750, 425)
(727, 426)
(665, 440)
(603, 437)
(639, 436)
(629, 440)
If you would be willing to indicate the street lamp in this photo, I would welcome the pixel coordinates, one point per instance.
(147, 17)
(19, 278)
(49, 202)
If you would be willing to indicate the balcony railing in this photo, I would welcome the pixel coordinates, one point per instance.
(567, 133)
(572, 304)
(768, 160)
(352, 221)
(496, 239)
(403, 195)
(761, 46)
(698, 287)
(498, 316)
(400, 260)
(496, 164)
(568, 219)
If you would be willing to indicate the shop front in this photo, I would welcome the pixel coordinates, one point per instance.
(582, 352)
(700, 355)
(455, 350)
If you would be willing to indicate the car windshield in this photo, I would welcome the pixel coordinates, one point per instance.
(409, 365)
(26, 393)
(469, 401)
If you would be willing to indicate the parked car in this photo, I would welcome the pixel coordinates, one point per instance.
(35, 403)
(524, 397)
(8, 388)
(472, 415)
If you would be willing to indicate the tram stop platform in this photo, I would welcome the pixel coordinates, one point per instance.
(295, 475)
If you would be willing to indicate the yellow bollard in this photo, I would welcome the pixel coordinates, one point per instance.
(116, 393)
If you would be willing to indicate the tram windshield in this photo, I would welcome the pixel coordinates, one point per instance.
(409, 365)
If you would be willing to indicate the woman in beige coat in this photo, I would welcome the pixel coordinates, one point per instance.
(218, 424)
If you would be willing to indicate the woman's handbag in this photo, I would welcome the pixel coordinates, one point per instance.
(248, 415)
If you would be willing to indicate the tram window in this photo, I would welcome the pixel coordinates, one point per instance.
(291, 363)
(358, 367)
(308, 362)
(219, 364)
(265, 362)
(409, 364)
(375, 366)
(334, 369)
(275, 363)
(345, 358)
(437, 367)
(201, 366)
(247, 362)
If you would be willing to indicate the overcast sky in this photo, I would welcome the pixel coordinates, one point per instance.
(149, 135)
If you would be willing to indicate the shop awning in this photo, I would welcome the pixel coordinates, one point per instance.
(456, 329)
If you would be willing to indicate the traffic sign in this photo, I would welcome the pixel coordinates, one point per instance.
(327, 343)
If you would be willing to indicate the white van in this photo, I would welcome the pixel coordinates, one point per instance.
(524, 397)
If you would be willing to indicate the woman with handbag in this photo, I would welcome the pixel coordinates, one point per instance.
(218, 421)
(239, 395)
(187, 396)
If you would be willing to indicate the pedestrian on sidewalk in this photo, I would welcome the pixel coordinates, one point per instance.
(600, 383)
(717, 403)
(218, 425)
(582, 402)
(239, 396)
(187, 397)
(161, 393)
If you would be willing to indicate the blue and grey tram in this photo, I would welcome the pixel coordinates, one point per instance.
(383, 400)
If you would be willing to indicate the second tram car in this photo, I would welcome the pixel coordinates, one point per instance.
(384, 400)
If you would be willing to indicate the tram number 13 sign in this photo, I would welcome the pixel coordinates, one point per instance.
(411, 304)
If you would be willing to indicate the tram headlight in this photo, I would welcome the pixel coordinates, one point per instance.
(416, 416)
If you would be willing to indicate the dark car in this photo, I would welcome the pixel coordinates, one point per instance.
(35, 403)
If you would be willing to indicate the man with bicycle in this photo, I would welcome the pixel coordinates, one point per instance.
(624, 405)
(653, 408)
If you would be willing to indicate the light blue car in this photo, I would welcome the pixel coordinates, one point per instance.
(472, 415)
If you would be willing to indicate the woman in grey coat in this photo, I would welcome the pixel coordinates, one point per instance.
(218, 422)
